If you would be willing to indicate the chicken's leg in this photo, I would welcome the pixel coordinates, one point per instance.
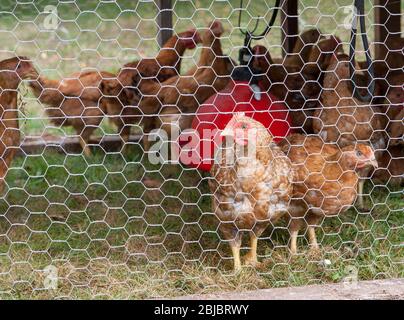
(124, 133)
(312, 221)
(293, 241)
(361, 203)
(148, 126)
(235, 249)
(85, 147)
(294, 227)
(84, 138)
(251, 256)
(312, 238)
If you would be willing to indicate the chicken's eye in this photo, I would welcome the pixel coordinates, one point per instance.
(359, 153)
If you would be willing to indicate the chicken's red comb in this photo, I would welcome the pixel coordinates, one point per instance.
(196, 36)
(191, 34)
(217, 28)
(329, 44)
(259, 50)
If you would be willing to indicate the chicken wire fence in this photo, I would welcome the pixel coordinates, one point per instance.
(101, 195)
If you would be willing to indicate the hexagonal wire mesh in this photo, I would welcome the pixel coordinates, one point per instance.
(89, 208)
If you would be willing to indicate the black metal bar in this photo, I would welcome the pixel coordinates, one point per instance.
(360, 15)
(289, 24)
(164, 21)
(387, 25)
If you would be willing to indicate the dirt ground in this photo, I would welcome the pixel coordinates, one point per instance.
(364, 290)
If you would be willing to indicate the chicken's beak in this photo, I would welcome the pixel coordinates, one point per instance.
(374, 163)
(227, 132)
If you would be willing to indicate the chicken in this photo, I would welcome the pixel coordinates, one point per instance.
(178, 98)
(391, 162)
(283, 70)
(394, 110)
(344, 119)
(119, 92)
(251, 184)
(391, 167)
(173, 50)
(396, 129)
(320, 55)
(392, 63)
(313, 72)
(302, 48)
(167, 62)
(12, 71)
(80, 84)
(395, 54)
(74, 101)
(276, 78)
(83, 114)
(325, 180)
(297, 85)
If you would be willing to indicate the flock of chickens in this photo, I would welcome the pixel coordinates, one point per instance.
(315, 172)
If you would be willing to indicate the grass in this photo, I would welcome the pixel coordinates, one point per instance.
(111, 237)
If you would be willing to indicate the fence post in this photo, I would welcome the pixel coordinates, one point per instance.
(289, 25)
(164, 21)
(387, 25)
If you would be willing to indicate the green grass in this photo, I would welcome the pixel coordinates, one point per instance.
(111, 237)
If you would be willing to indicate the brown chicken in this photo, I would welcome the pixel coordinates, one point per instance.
(178, 98)
(286, 70)
(84, 114)
(12, 71)
(391, 162)
(80, 84)
(171, 54)
(120, 96)
(344, 119)
(395, 55)
(325, 180)
(251, 184)
(168, 63)
(391, 167)
(301, 49)
(74, 101)
(277, 78)
(396, 129)
(297, 85)
(393, 62)
(394, 109)
(313, 73)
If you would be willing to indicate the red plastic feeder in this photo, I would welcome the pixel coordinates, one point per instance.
(216, 112)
